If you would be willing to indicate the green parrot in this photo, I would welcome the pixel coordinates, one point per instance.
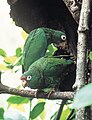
(46, 73)
(37, 43)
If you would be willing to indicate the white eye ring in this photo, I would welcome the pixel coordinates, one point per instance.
(63, 37)
(29, 77)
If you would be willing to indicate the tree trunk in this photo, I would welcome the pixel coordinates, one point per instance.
(83, 30)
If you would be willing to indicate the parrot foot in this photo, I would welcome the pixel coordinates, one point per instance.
(51, 91)
(46, 91)
(37, 92)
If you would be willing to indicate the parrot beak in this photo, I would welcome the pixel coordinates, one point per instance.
(63, 45)
(24, 81)
(23, 78)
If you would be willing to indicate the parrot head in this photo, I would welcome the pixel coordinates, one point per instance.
(31, 78)
(59, 39)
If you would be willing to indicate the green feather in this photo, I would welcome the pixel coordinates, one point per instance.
(37, 43)
(47, 72)
(34, 48)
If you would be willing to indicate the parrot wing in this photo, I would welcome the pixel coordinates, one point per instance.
(35, 47)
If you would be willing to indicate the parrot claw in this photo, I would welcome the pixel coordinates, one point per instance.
(46, 92)
(52, 91)
(37, 92)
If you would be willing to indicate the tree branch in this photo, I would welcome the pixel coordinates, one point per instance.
(11, 2)
(74, 7)
(30, 93)
(0, 76)
(83, 30)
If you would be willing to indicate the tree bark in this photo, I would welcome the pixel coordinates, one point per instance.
(74, 7)
(83, 30)
(32, 94)
(11, 2)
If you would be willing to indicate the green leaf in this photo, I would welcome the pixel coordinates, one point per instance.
(10, 66)
(53, 117)
(18, 52)
(1, 114)
(17, 100)
(51, 50)
(90, 55)
(2, 53)
(18, 61)
(3, 67)
(10, 59)
(37, 110)
(65, 113)
(83, 97)
(24, 35)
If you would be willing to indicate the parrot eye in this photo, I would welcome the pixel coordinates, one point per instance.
(63, 37)
(29, 77)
